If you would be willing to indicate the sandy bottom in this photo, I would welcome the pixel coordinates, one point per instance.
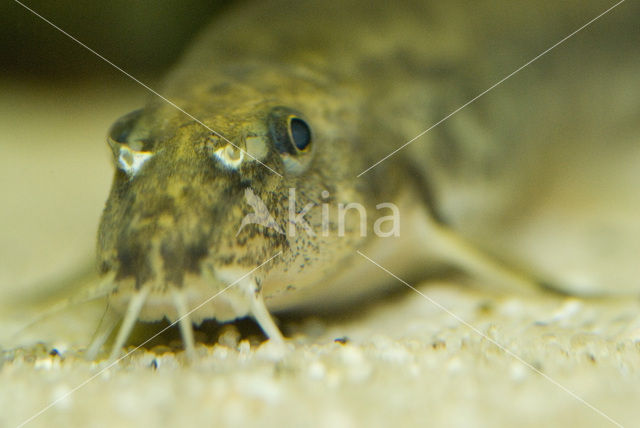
(545, 361)
(501, 361)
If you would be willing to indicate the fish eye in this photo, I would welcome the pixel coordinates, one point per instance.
(289, 132)
(292, 137)
(300, 133)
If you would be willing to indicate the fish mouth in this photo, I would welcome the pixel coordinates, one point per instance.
(200, 300)
(163, 267)
(200, 296)
(205, 297)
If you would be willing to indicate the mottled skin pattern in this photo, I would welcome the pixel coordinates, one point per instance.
(191, 206)
(366, 79)
(177, 218)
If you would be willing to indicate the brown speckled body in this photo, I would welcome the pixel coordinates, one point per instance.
(190, 206)
(366, 79)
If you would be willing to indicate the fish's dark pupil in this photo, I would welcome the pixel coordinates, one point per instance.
(300, 133)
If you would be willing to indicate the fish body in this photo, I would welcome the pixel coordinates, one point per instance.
(248, 180)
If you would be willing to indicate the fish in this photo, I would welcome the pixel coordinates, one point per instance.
(290, 161)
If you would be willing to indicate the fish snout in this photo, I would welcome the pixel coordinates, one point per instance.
(160, 255)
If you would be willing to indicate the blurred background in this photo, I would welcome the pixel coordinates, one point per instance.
(143, 37)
